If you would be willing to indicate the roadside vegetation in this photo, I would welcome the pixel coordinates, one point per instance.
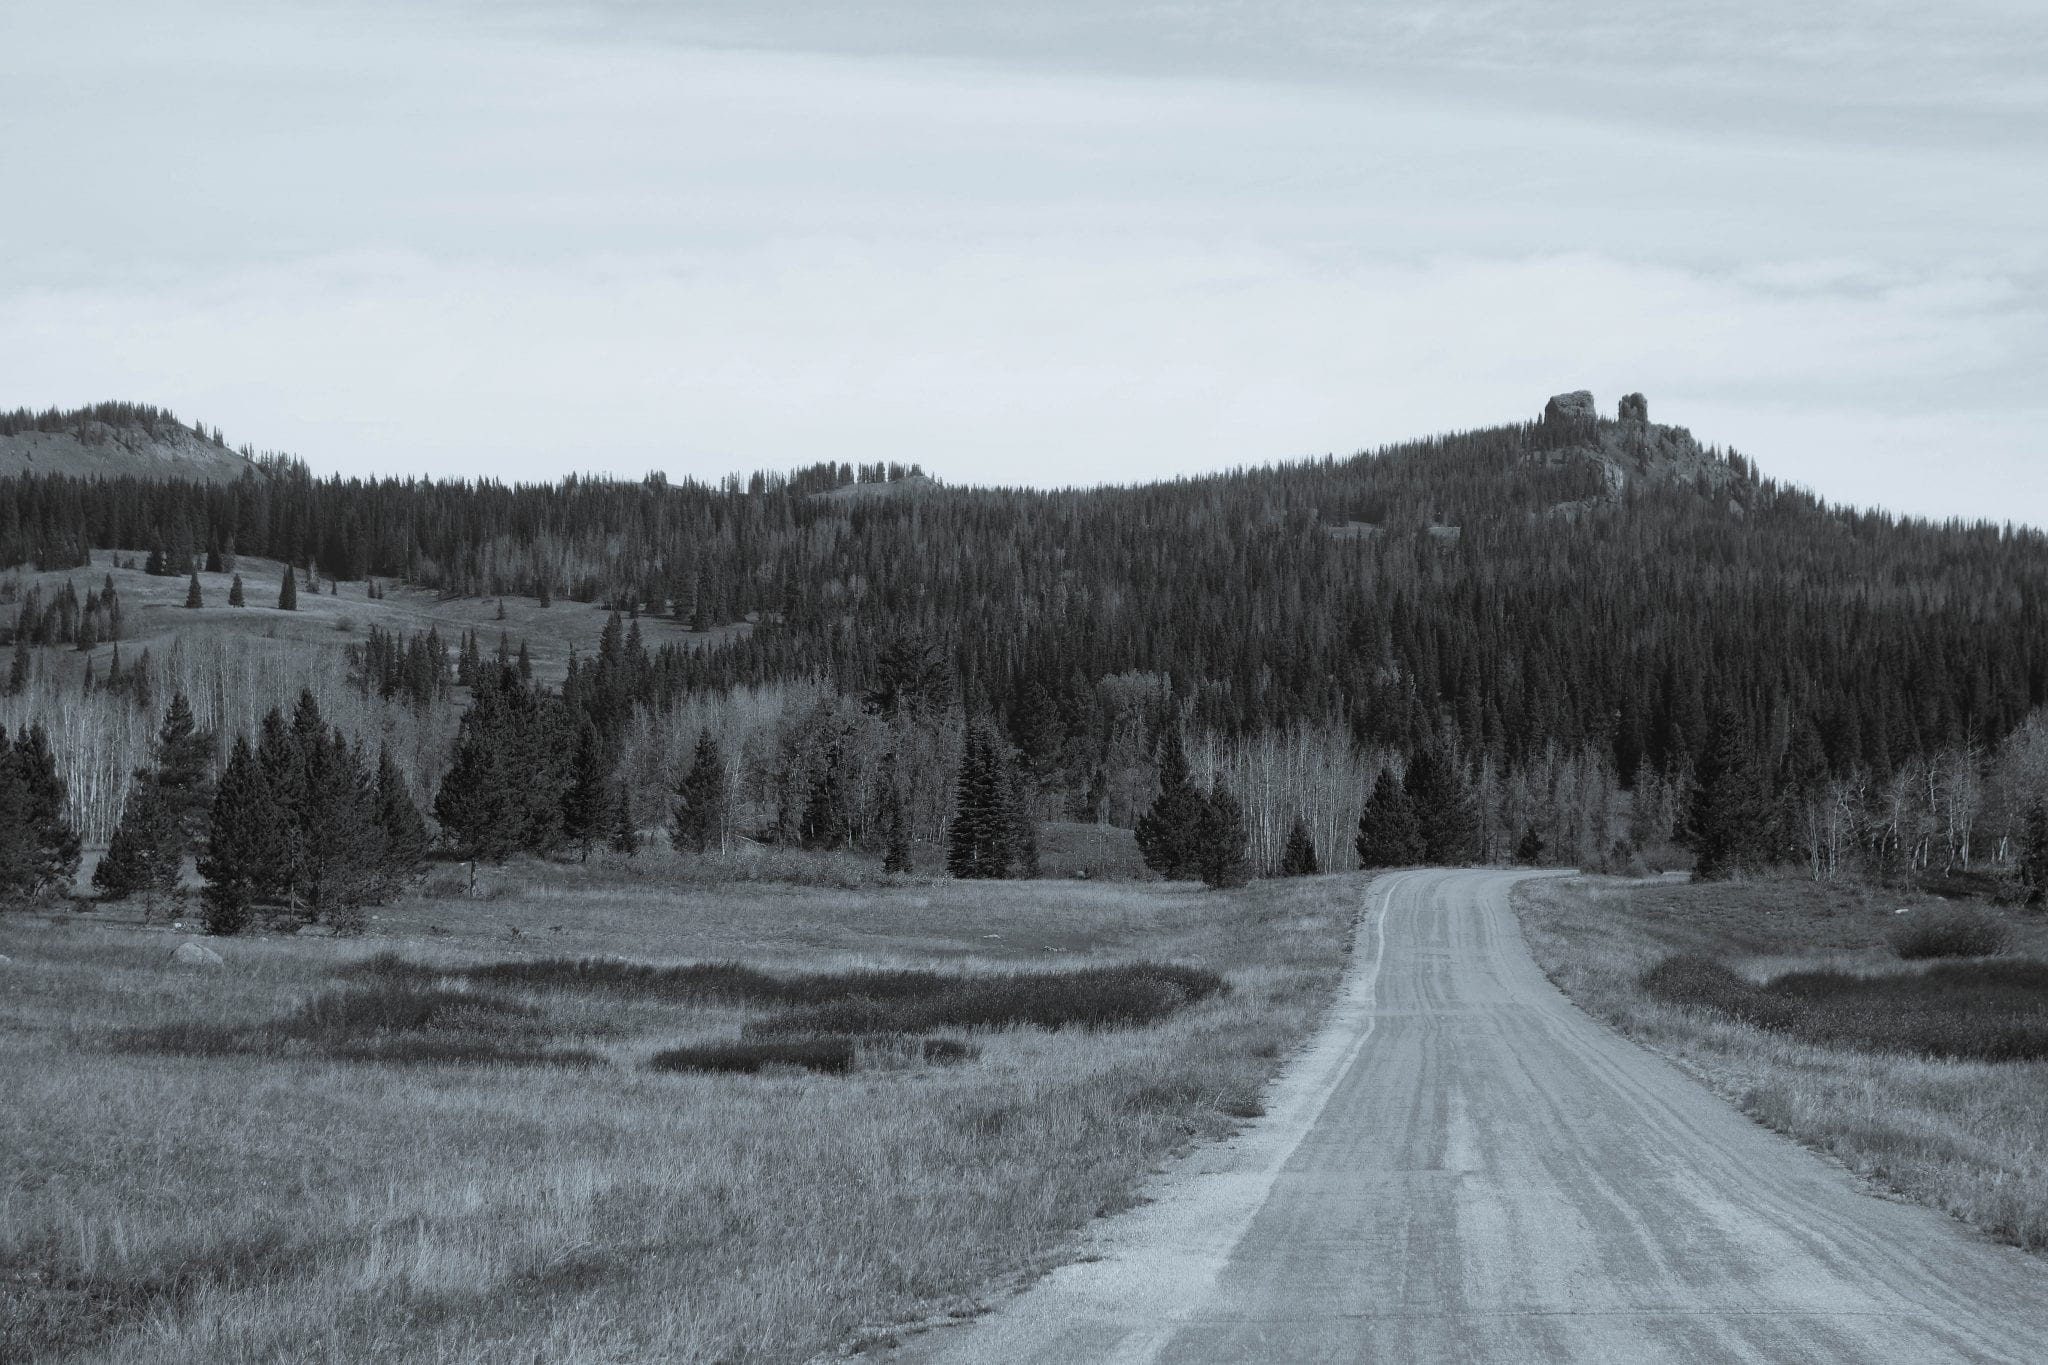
(1903, 1035)
(533, 1123)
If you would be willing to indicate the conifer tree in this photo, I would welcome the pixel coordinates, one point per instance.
(1387, 832)
(288, 591)
(142, 857)
(184, 759)
(22, 668)
(1168, 833)
(15, 854)
(1446, 817)
(399, 819)
(1529, 849)
(1728, 811)
(586, 803)
(1220, 849)
(242, 827)
(895, 821)
(623, 833)
(53, 845)
(824, 823)
(978, 837)
(235, 597)
(280, 755)
(1299, 858)
(2033, 859)
(193, 597)
(697, 818)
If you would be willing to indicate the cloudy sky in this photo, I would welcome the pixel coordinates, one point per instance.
(1044, 241)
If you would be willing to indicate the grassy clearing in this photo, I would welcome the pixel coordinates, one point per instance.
(1789, 1000)
(296, 1194)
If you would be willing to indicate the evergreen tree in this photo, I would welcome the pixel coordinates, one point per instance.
(1446, 816)
(53, 844)
(235, 597)
(623, 833)
(2033, 860)
(280, 755)
(1299, 858)
(1169, 833)
(697, 818)
(242, 828)
(184, 760)
(895, 821)
(1387, 832)
(16, 856)
(1728, 810)
(1023, 822)
(142, 857)
(193, 597)
(1529, 849)
(288, 591)
(1220, 850)
(586, 804)
(978, 837)
(824, 823)
(22, 668)
(404, 829)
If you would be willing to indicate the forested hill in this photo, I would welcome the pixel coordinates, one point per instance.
(1573, 580)
(112, 439)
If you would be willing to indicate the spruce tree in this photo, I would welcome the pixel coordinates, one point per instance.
(2033, 859)
(586, 804)
(193, 597)
(280, 755)
(895, 821)
(184, 760)
(404, 829)
(235, 597)
(1728, 810)
(1299, 858)
(824, 823)
(1446, 816)
(697, 818)
(1169, 832)
(623, 831)
(242, 826)
(142, 858)
(23, 666)
(1220, 850)
(1529, 850)
(53, 844)
(288, 591)
(477, 804)
(975, 838)
(1387, 832)
(16, 854)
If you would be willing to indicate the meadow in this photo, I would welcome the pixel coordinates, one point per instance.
(498, 1126)
(1866, 1023)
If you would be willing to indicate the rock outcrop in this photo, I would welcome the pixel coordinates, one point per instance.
(1576, 406)
(1635, 408)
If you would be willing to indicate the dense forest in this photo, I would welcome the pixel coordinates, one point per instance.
(1569, 593)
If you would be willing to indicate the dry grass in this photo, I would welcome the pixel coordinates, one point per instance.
(1963, 1136)
(290, 1205)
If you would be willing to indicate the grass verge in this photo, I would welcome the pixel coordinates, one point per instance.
(281, 1201)
(1788, 1000)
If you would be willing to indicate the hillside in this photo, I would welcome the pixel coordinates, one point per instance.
(1568, 600)
(116, 440)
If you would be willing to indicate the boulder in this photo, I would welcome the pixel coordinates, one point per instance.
(1576, 406)
(195, 955)
(1635, 408)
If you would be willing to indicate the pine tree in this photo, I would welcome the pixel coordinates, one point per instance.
(1168, 833)
(697, 818)
(142, 857)
(53, 844)
(895, 821)
(288, 591)
(586, 804)
(478, 805)
(976, 838)
(623, 831)
(242, 828)
(235, 597)
(193, 597)
(1728, 811)
(824, 823)
(184, 759)
(2033, 860)
(1529, 849)
(1387, 831)
(1220, 850)
(1299, 858)
(280, 755)
(404, 829)
(1446, 817)
(16, 855)
(22, 668)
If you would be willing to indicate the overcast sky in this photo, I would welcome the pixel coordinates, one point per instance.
(1036, 241)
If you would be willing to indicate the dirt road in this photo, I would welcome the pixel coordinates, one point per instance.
(1466, 1168)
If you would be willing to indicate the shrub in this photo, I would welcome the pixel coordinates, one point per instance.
(1951, 933)
(830, 1054)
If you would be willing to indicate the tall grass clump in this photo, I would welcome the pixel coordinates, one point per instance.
(1951, 933)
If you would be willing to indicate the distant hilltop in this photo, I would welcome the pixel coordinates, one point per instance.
(1630, 448)
(113, 440)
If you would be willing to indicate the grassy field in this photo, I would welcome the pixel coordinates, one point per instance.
(262, 1161)
(154, 613)
(1790, 1000)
